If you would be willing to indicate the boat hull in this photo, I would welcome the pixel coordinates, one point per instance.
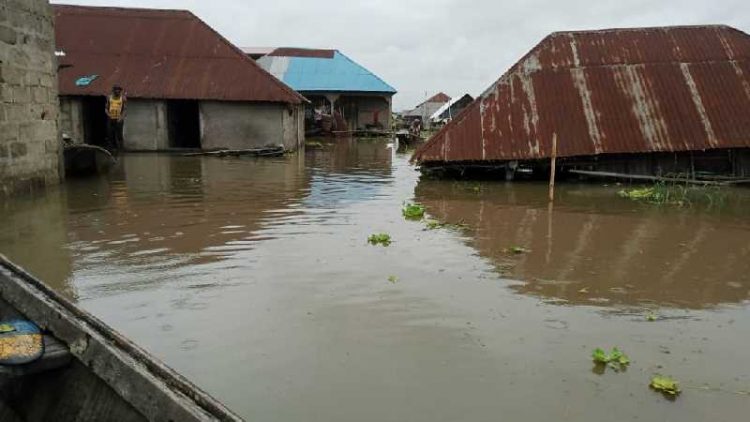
(108, 377)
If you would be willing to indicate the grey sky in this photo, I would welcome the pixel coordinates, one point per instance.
(422, 47)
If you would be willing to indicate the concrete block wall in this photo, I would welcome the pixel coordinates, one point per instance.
(239, 125)
(71, 119)
(146, 126)
(293, 120)
(30, 149)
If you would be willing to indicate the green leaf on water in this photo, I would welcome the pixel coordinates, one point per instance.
(379, 239)
(615, 359)
(665, 384)
(600, 356)
(651, 317)
(413, 211)
(7, 328)
(393, 279)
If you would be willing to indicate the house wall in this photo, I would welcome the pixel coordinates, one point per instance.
(368, 106)
(294, 128)
(71, 119)
(223, 124)
(239, 125)
(145, 126)
(426, 110)
(30, 151)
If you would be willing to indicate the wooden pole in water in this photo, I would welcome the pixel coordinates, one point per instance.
(552, 168)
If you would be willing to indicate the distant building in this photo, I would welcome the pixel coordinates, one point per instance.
(427, 108)
(335, 85)
(187, 86)
(671, 100)
(451, 109)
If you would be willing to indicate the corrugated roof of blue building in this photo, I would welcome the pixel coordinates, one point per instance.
(307, 70)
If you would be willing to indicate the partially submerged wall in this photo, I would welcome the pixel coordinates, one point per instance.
(293, 121)
(29, 143)
(146, 126)
(371, 108)
(241, 125)
(71, 119)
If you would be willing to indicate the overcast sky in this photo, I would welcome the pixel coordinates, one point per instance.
(421, 47)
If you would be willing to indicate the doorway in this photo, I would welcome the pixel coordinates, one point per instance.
(183, 124)
(94, 120)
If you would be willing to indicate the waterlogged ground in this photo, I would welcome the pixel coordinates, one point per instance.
(254, 278)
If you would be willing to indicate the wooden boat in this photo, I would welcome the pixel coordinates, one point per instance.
(86, 160)
(88, 371)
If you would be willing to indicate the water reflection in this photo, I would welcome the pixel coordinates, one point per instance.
(595, 248)
(33, 234)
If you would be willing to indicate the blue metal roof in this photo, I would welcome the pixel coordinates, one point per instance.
(340, 73)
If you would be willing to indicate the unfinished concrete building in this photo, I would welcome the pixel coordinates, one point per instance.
(334, 84)
(187, 86)
(642, 101)
(426, 109)
(29, 144)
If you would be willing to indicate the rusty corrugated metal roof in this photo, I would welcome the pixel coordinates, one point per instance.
(303, 52)
(609, 91)
(152, 53)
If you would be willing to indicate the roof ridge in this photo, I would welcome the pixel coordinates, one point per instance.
(367, 70)
(642, 28)
(252, 62)
(61, 6)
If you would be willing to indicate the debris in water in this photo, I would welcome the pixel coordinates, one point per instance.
(434, 224)
(393, 279)
(379, 239)
(651, 317)
(616, 359)
(314, 144)
(665, 385)
(676, 194)
(516, 250)
(413, 211)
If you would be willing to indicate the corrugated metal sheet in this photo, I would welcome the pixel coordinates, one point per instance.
(303, 52)
(440, 97)
(456, 104)
(168, 54)
(314, 73)
(609, 91)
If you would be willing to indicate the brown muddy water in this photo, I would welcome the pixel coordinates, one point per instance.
(254, 279)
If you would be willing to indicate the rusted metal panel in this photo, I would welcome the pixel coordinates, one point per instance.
(303, 52)
(610, 91)
(169, 54)
(440, 97)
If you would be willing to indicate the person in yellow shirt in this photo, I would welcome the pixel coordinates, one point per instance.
(115, 110)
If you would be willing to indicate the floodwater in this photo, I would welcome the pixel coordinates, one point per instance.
(254, 279)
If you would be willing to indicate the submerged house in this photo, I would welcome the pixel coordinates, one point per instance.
(451, 109)
(187, 86)
(427, 108)
(637, 101)
(335, 85)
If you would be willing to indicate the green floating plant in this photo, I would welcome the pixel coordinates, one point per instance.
(379, 239)
(616, 359)
(413, 211)
(665, 385)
